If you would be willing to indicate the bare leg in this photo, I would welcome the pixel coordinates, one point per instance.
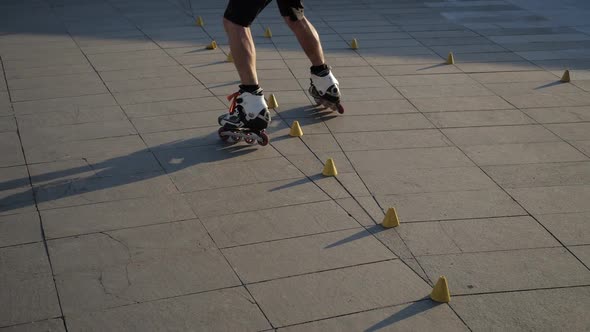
(308, 39)
(243, 50)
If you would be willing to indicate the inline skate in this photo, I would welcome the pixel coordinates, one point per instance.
(247, 119)
(324, 89)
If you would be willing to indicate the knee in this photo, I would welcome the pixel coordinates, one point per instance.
(296, 25)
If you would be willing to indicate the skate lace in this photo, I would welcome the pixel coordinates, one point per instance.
(233, 98)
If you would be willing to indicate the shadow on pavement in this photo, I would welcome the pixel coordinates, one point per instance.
(407, 312)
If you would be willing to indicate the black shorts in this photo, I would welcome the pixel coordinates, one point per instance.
(243, 12)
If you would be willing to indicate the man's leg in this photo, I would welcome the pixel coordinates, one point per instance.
(308, 38)
(243, 50)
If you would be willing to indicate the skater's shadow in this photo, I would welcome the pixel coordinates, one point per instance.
(86, 175)
(357, 236)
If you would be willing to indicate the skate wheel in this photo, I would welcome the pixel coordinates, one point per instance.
(249, 138)
(220, 131)
(318, 101)
(340, 109)
(236, 138)
(265, 139)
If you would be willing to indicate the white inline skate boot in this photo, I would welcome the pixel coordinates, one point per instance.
(247, 119)
(325, 90)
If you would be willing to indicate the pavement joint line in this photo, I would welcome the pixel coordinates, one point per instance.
(34, 196)
(293, 237)
(519, 290)
(32, 322)
(489, 251)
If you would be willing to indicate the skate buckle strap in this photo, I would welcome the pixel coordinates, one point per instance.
(233, 98)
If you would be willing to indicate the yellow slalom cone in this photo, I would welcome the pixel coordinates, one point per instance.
(354, 44)
(272, 102)
(566, 77)
(230, 58)
(330, 168)
(267, 33)
(391, 219)
(440, 292)
(212, 46)
(296, 130)
(451, 59)
(200, 21)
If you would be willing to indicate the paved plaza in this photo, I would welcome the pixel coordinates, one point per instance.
(121, 209)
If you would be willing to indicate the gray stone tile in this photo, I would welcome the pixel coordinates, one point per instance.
(61, 81)
(106, 270)
(174, 107)
(407, 181)
(508, 66)
(11, 150)
(64, 104)
(275, 224)
(96, 189)
(422, 316)
(499, 135)
(470, 273)
(176, 121)
(50, 92)
(540, 175)
(416, 69)
(479, 118)
(559, 114)
(222, 310)
(27, 285)
(106, 148)
(383, 140)
(551, 87)
(16, 195)
(321, 143)
(430, 80)
(20, 229)
(115, 215)
(163, 94)
(184, 138)
(525, 153)
(313, 253)
(49, 70)
(438, 91)
(361, 94)
(355, 210)
(569, 228)
(557, 199)
(141, 73)
(7, 124)
(382, 162)
(473, 235)
(214, 175)
(509, 77)
(526, 311)
(108, 114)
(543, 100)
(52, 325)
(208, 203)
(32, 136)
(141, 84)
(583, 146)
(345, 124)
(331, 293)
(571, 131)
(477, 103)
(582, 253)
(452, 205)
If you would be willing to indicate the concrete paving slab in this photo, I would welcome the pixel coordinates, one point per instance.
(208, 203)
(223, 310)
(108, 216)
(499, 135)
(526, 310)
(475, 235)
(582, 146)
(571, 131)
(19, 229)
(27, 285)
(543, 100)
(279, 223)
(10, 149)
(437, 91)
(478, 103)
(582, 253)
(310, 300)
(525, 153)
(174, 107)
(430, 80)
(382, 140)
(106, 114)
(423, 315)
(64, 104)
(320, 252)
(378, 123)
(509, 77)
(569, 228)
(479, 118)
(507, 270)
(452, 205)
(7, 124)
(104, 270)
(164, 94)
(52, 325)
(540, 175)
(33, 136)
(381, 162)
(557, 199)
